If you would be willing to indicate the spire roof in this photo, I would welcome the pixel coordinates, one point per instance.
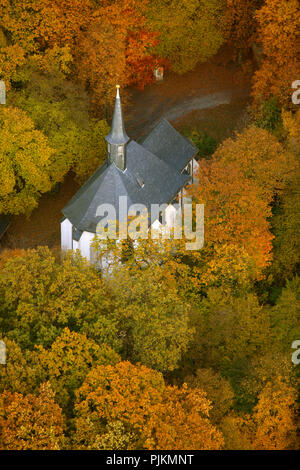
(117, 133)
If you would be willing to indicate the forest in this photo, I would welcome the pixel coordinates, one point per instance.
(191, 350)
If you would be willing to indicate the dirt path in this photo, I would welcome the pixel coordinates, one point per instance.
(199, 102)
(211, 84)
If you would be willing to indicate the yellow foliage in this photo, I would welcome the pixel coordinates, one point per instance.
(25, 162)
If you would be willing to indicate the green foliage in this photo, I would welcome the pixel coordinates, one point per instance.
(60, 109)
(285, 316)
(145, 319)
(68, 361)
(20, 374)
(286, 227)
(218, 389)
(190, 30)
(229, 332)
(205, 143)
(40, 297)
(269, 115)
(154, 319)
(27, 163)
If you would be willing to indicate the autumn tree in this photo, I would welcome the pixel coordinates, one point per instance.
(20, 20)
(26, 162)
(99, 44)
(40, 31)
(218, 390)
(40, 297)
(182, 422)
(154, 317)
(138, 312)
(115, 47)
(62, 21)
(240, 24)
(263, 160)
(141, 406)
(286, 221)
(110, 42)
(238, 186)
(68, 361)
(285, 316)
(31, 422)
(285, 227)
(237, 237)
(60, 108)
(272, 425)
(291, 125)
(190, 31)
(19, 24)
(234, 434)
(12, 58)
(20, 374)
(229, 331)
(279, 25)
(262, 368)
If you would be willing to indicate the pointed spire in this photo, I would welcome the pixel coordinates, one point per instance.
(117, 135)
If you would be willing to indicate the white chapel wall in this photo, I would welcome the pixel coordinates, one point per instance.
(66, 235)
(85, 244)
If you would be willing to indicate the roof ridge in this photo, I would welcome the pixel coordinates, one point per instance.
(163, 162)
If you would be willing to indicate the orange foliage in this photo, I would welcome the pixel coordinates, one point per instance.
(273, 423)
(237, 188)
(279, 26)
(115, 48)
(7, 254)
(110, 42)
(240, 23)
(30, 422)
(154, 415)
(62, 21)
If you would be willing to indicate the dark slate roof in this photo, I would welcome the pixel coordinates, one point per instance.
(147, 180)
(4, 224)
(76, 234)
(117, 133)
(169, 145)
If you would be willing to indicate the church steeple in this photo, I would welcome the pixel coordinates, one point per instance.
(117, 138)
